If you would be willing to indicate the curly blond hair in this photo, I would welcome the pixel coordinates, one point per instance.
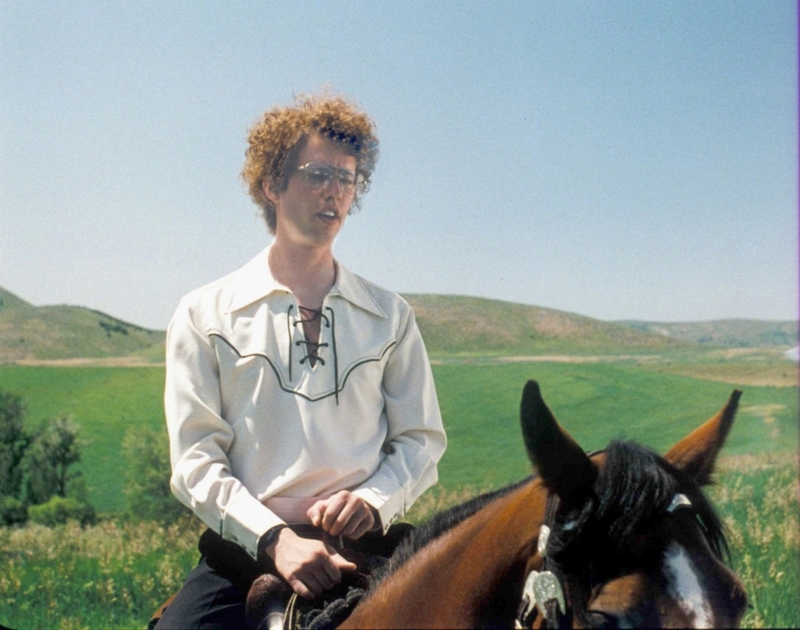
(278, 137)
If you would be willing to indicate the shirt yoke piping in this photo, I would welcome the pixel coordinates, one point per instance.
(337, 390)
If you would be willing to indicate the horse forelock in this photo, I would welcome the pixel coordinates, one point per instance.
(634, 488)
(639, 489)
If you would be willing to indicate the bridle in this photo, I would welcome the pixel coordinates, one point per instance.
(543, 593)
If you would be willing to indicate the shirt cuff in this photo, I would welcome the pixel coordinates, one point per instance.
(389, 507)
(245, 521)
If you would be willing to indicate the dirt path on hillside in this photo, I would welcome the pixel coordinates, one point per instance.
(94, 362)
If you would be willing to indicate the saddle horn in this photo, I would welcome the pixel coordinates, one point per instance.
(561, 462)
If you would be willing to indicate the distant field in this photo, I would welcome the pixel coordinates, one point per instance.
(647, 398)
(595, 402)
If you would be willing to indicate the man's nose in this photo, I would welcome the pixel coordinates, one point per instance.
(334, 186)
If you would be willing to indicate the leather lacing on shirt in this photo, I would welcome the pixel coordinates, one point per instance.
(313, 347)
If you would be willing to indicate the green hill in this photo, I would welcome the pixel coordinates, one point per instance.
(735, 333)
(470, 325)
(453, 325)
(30, 332)
(9, 301)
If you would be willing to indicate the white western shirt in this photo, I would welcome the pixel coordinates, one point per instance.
(253, 424)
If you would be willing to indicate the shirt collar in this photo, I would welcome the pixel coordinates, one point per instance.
(350, 287)
(255, 281)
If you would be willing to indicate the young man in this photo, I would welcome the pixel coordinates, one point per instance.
(299, 396)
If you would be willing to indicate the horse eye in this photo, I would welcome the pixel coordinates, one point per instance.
(600, 619)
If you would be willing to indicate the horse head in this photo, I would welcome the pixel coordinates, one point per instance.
(631, 538)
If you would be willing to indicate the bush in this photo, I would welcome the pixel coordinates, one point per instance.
(12, 511)
(13, 443)
(49, 459)
(147, 474)
(58, 510)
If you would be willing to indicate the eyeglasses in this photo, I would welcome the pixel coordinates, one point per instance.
(317, 176)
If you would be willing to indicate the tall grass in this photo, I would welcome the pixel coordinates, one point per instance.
(114, 575)
(758, 498)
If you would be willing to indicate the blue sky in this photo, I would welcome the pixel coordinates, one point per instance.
(621, 160)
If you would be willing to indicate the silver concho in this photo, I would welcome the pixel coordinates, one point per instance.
(678, 501)
(546, 587)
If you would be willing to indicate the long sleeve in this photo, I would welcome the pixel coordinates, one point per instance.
(200, 439)
(416, 439)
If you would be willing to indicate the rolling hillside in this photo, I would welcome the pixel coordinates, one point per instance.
(469, 325)
(737, 333)
(30, 332)
(450, 324)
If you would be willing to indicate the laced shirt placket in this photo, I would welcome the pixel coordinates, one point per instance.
(313, 347)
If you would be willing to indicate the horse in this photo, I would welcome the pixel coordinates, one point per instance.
(617, 538)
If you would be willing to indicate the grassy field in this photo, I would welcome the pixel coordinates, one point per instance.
(650, 398)
(114, 575)
(595, 402)
(758, 498)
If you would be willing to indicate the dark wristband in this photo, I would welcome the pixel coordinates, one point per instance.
(270, 537)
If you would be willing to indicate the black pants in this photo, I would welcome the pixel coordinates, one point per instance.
(214, 594)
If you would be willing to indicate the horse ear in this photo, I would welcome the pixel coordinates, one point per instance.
(560, 461)
(697, 453)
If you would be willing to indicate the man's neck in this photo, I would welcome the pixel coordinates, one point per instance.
(307, 271)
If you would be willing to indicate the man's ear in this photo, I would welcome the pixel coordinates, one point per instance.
(269, 192)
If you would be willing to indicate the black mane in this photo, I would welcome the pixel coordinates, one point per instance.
(641, 485)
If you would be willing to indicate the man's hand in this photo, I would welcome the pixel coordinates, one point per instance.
(309, 566)
(343, 514)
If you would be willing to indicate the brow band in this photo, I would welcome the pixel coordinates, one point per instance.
(678, 501)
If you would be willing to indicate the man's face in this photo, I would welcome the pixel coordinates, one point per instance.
(309, 214)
